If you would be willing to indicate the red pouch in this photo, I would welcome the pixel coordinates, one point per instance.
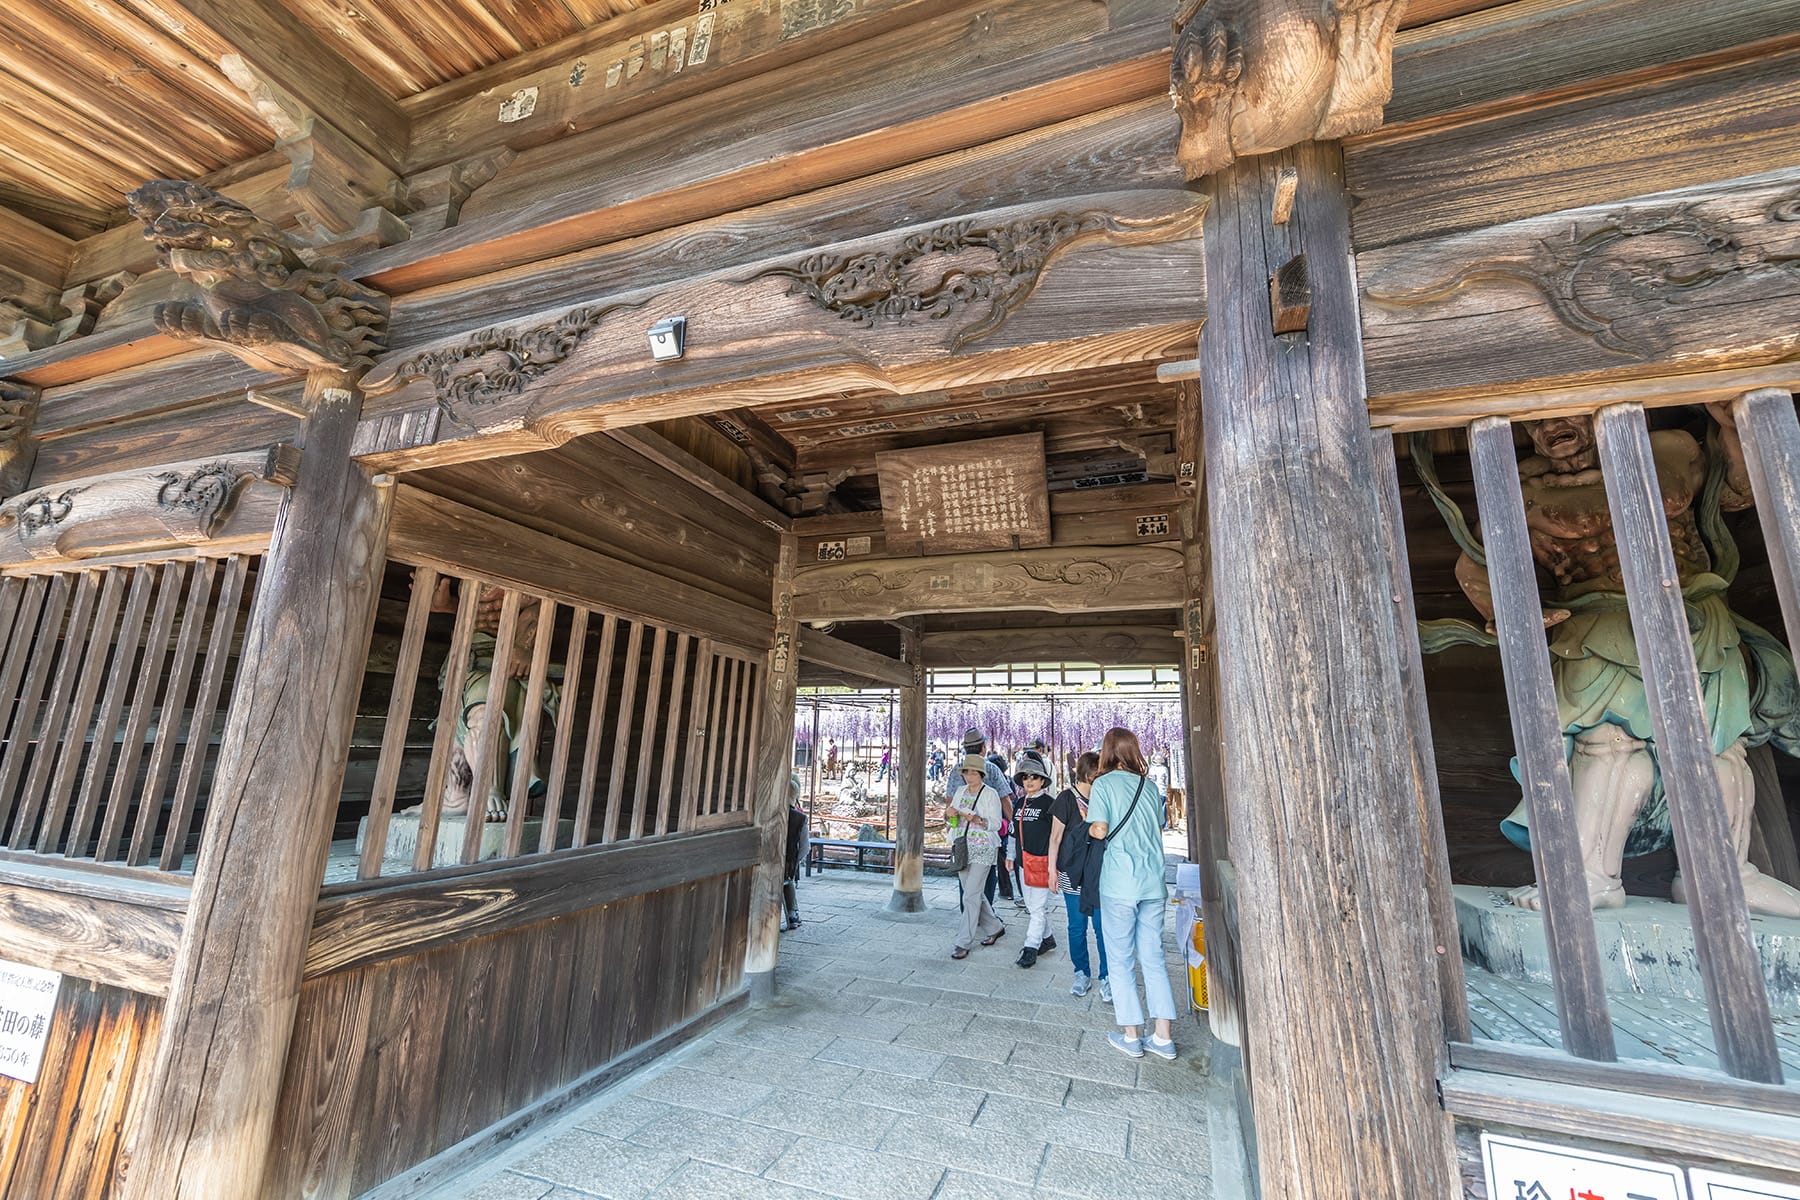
(1036, 870)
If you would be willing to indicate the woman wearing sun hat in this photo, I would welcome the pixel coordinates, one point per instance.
(974, 812)
(1030, 852)
(1125, 811)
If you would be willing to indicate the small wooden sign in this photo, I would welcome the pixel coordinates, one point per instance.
(27, 1001)
(984, 495)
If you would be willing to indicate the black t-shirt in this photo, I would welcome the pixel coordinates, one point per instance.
(1067, 809)
(1033, 815)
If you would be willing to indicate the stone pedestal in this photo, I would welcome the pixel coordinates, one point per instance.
(403, 839)
(1647, 947)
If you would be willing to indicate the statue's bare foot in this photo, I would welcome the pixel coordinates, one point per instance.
(1602, 893)
(1763, 895)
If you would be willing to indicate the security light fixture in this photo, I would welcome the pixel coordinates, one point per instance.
(668, 339)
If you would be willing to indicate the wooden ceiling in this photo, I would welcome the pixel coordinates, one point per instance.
(100, 95)
(1117, 415)
(407, 46)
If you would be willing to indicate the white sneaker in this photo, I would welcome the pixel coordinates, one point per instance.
(1106, 990)
(1081, 984)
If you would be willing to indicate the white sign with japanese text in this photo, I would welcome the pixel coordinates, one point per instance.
(27, 999)
(1522, 1170)
(1712, 1185)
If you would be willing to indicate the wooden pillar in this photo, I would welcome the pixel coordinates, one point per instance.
(1340, 988)
(1208, 820)
(909, 815)
(774, 770)
(209, 1103)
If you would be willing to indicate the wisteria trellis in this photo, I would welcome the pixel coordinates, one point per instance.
(1009, 722)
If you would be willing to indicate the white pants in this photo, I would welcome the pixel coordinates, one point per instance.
(1037, 903)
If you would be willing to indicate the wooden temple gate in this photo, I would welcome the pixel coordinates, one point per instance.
(299, 461)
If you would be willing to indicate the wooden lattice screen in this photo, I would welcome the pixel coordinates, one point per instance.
(116, 684)
(616, 729)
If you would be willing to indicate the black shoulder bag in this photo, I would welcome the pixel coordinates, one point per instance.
(1096, 856)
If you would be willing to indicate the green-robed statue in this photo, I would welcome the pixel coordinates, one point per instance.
(1748, 683)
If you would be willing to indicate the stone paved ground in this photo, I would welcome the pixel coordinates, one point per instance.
(887, 1071)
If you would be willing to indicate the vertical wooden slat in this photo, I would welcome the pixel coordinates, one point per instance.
(640, 797)
(530, 722)
(206, 704)
(168, 720)
(23, 639)
(1581, 1006)
(718, 754)
(596, 730)
(565, 728)
(615, 787)
(1438, 897)
(12, 593)
(456, 674)
(1770, 434)
(124, 796)
(1735, 994)
(697, 733)
(729, 774)
(50, 726)
(747, 735)
(490, 743)
(399, 718)
(72, 740)
(668, 805)
(118, 684)
(34, 662)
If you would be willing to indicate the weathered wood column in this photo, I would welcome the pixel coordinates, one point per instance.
(1208, 818)
(909, 810)
(1340, 989)
(208, 1106)
(774, 768)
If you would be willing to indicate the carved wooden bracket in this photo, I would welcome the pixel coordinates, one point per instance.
(18, 448)
(184, 504)
(259, 298)
(1256, 76)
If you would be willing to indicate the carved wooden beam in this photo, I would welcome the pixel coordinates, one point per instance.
(259, 298)
(223, 503)
(847, 658)
(1105, 645)
(1125, 577)
(918, 307)
(640, 59)
(1681, 282)
(1255, 76)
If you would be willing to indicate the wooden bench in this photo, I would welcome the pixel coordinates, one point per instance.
(815, 854)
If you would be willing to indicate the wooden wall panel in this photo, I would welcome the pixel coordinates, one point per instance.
(60, 1137)
(397, 1061)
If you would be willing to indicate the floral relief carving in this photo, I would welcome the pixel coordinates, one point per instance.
(962, 265)
(203, 495)
(1601, 273)
(493, 364)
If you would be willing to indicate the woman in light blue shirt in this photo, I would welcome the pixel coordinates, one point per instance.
(1127, 810)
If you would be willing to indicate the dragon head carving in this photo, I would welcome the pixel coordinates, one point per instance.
(259, 299)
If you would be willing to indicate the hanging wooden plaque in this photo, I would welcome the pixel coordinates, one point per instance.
(984, 495)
